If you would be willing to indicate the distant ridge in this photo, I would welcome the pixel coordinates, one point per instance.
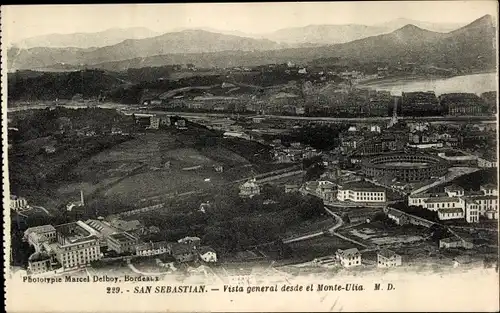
(471, 46)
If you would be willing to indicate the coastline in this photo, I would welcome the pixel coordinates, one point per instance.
(388, 81)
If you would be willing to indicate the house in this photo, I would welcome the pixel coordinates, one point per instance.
(207, 254)
(190, 241)
(183, 253)
(249, 189)
(398, 217)
(455, 242)
(204, 207)
(291, 188)
(388, 258)
(349, 258)
(153, 248)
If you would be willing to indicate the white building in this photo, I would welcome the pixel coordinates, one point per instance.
(388, 258)
(455, 203)
(207, 254)
(153, 248)
(349, 258)
(361, 191)
(37, 236)
(17, 203)
(75, 246)
(249, 189)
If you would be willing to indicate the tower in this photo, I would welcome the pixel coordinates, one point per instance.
(81, 198)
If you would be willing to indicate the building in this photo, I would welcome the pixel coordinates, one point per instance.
(183, 253)
(154, 122)
(153, 248)
(37, 236)
(17, 203)
(76, 246)
(207, 254)
(419, 103)
(122, 243)
(291, 188)
(408, 167)
(190, 241)
(455, 203)
(101, 230)
(462, 104)
(387, 258)
(361, 191)
(398, 217)
(39, 262)
(249, 189)
(455, 242)
(326, 190)
(349, 258)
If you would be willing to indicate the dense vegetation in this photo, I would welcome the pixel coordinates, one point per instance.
(232, 223)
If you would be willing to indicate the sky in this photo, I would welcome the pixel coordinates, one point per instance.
(23, 21)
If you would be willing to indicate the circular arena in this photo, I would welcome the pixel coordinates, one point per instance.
(405, 167)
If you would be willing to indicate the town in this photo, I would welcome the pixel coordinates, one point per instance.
(387, 192)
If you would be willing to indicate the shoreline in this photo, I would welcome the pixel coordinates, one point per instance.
(414, 78)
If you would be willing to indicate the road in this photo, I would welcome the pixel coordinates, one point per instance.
(42, 208)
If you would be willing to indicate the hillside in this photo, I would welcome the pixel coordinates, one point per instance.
(27, 86)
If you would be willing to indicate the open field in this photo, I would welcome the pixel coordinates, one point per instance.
(376, 233)
(307, 250)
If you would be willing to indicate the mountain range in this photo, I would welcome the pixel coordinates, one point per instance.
(86, 40)
(469, 46)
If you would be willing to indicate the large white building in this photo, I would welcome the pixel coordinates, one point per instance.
(76, 247)
(361, 191)
(455, 203)
(349, 258)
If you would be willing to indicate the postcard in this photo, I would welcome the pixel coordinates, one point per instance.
(250, 157)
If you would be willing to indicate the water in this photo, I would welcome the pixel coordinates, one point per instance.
(474, 83)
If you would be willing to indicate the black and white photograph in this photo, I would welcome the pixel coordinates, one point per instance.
(251, 156)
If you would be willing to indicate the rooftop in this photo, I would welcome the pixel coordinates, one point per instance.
(38, 256)
(361, 186)
(386, 253)
(40, 229)
(489, 186)
(442, 199)
(123, 237)
(204, 249)
(451, 210)
(74, 232)
(348, 252)
(450, 239)
(453, 188)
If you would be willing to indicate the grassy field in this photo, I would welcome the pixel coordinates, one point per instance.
(307, 250)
